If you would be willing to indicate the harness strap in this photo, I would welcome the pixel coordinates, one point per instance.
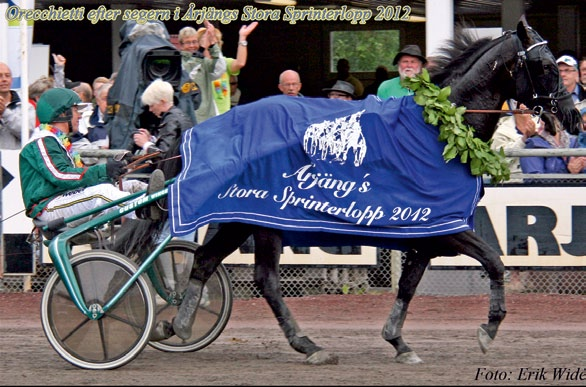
(515, 111)
(141, 159)
(138, 163)
(133, 166)
(536, 44)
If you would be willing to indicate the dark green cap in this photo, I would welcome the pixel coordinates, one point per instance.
(54, 102)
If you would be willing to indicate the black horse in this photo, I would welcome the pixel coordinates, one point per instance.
(482, 74)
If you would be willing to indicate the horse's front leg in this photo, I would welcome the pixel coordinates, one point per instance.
(412, 273)
(472, 245)
(267, 253)
(207, 258)
(496, 314)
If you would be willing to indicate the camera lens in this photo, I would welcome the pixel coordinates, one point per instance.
(160, 67)
(163, 64)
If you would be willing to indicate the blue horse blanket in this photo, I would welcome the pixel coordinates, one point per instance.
(326, 171)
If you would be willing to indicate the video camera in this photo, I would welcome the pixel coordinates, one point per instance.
(146, 50)
(163, 64)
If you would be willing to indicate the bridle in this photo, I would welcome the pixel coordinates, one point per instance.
(523, 58)
(553, 97)
(524, 61)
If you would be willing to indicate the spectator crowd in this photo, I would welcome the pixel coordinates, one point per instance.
(216, 77)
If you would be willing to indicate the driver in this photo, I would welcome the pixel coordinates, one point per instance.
(55, 184)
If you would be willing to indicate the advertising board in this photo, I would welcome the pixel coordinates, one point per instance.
(530, 226)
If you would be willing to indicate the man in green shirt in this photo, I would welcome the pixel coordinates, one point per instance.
(409, 62)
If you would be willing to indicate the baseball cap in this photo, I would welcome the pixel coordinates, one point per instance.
(566, 59)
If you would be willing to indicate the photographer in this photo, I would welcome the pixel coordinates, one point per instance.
(147, 54)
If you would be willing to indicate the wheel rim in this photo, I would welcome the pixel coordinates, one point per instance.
(120, 334)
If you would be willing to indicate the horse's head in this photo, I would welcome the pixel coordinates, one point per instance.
(538, 83)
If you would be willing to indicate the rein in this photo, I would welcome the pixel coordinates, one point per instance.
(521, 63)
(538, 110)
(142, 162)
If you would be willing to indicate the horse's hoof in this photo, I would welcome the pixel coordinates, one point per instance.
(483, 339)
(162, 331)
(321, 358)
(408, 358)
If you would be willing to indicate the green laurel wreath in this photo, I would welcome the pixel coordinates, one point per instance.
(459, 137)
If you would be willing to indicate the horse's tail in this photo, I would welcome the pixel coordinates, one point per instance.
(138, 237)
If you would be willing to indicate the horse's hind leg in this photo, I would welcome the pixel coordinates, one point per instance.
(268, 245)
(412, 273)
(207, 259)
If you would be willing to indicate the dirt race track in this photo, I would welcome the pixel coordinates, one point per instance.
(541, 334)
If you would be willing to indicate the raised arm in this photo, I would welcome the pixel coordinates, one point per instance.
(242, 50)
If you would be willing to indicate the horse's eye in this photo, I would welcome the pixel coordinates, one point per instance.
(548, 69)
(537, 68)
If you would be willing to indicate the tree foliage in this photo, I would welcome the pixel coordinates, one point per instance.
(365, 50)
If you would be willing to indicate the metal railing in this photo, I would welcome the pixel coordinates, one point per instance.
(508, 152)
(101, 153)
(548, 153)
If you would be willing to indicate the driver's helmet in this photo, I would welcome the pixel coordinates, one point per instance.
(54, 102)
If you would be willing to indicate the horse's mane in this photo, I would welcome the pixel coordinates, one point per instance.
(458, 55)
(453, 58)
